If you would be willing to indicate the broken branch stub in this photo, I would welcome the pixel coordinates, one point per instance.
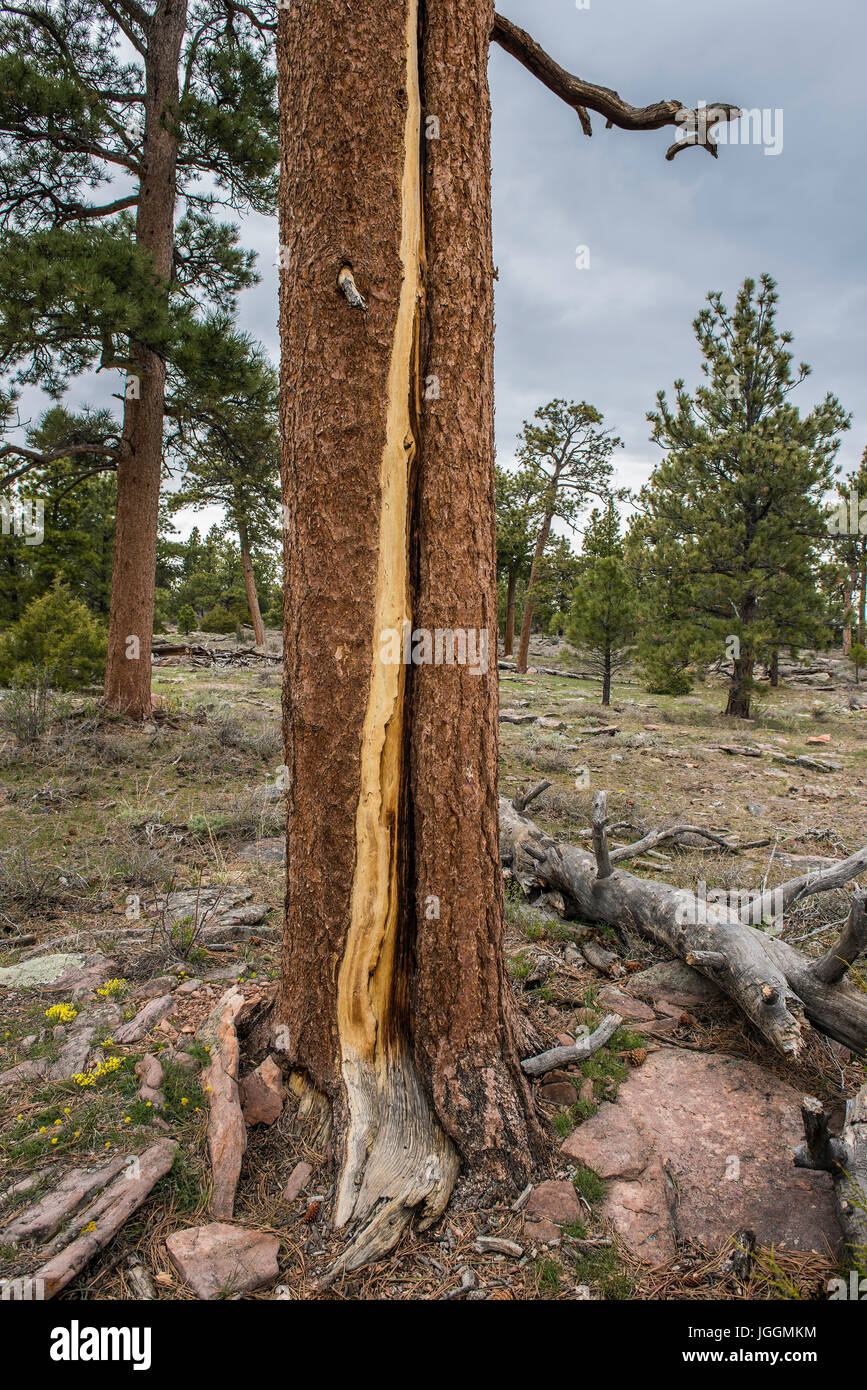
(844, 1157)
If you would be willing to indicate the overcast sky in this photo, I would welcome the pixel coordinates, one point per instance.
(661, 235)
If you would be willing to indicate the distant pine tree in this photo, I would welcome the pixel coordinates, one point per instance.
(602, 615)
(734, 524)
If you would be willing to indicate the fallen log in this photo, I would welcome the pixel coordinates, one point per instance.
(775, 985)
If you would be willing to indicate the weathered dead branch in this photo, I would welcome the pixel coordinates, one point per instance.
(579, 1052)
(583, 97)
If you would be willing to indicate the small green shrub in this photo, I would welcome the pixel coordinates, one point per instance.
(858, 658)
(664, 675)
(57, 636)
(219, 619)
(187, 619)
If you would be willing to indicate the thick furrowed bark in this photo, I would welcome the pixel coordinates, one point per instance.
(772, 983)
(346, 706)
(396, 1018)
(395, 1152)
(463, 1008)
(131, 614)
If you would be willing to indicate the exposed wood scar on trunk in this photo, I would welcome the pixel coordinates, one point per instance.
(396, 1157)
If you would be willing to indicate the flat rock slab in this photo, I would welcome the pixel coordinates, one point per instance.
(697, 1146)
(619, 1003)
(42, 970)
(270, 851)
(219, 1258)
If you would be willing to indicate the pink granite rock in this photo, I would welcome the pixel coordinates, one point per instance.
(702, 1144)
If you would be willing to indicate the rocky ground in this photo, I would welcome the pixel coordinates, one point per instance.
(140, 890)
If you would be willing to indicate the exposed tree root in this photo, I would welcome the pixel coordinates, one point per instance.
(774, 984)
(398, 1163)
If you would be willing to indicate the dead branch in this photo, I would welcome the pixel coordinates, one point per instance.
(659, 837)
(776, 900)
(606, 962)
(600, 835)
(695, 125)
(833, 966)
(579, 1052)
(521, 800)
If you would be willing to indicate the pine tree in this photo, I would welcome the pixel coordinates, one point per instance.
(567, 455)
(110, 115)
(394, 1009)
(227, 443)
(847, 527)
(602, 615)
(76, 500)
(734, 513)
(557, 575)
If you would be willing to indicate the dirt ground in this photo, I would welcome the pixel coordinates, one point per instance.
(99, 820)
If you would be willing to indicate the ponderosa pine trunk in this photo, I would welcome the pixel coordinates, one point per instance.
(529, 597)
(131, 612)
(606, 677)
(774, 670)
(394, 1002)
(740, 689)
(509, 639)
(250, 586)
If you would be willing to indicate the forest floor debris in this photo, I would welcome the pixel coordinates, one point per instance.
(157, 834)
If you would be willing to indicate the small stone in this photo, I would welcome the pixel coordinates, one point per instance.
(185, 1060)
(558, 1093)
(221, 1259)
(555, 1201)
(298, 1180)
(587, 1095)
(150, 1073)
(565, 1040)
(542, 1232)
(263, 1093)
